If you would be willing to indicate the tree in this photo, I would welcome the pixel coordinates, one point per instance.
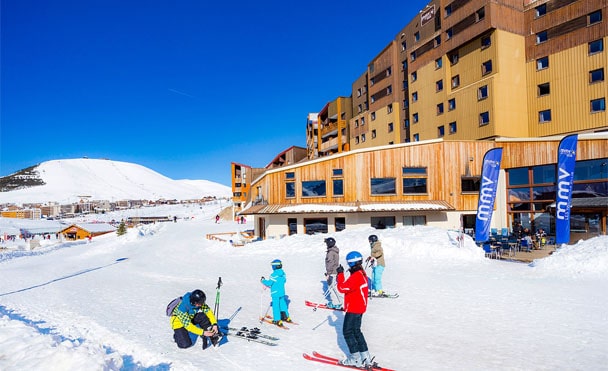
(122, 228)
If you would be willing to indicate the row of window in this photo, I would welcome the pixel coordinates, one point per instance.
(320, 225)
(542, 36)
(596, 105)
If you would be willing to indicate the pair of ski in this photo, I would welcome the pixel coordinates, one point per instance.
(384, 295)
(268, 319)
(318, 357)
(252, 334)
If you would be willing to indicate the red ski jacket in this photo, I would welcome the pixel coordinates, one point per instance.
(355, 291)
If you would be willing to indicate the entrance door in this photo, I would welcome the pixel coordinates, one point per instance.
(262, 228)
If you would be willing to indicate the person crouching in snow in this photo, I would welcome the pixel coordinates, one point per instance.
(276, 282)
(355, 292)
(192, 318)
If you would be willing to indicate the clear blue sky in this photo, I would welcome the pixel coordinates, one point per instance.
(182, 87)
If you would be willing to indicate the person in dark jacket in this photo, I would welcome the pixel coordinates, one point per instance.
(192, 318)
(355, 292)
(378, 263)
(332, 260)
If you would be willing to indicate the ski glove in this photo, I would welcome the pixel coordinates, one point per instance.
(262, 278)
(340, 269)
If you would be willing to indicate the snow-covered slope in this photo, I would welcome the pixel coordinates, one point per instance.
(68, 180)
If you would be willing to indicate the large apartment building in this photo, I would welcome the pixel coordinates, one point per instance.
(482, 74)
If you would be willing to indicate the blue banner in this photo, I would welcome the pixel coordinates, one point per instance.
(566, 159)
(487, 193)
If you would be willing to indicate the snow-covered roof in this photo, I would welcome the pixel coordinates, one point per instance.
(93, 227)
(348, 207)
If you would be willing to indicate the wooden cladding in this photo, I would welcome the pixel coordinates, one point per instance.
(567, 27)
(457, 4)
(556, 4)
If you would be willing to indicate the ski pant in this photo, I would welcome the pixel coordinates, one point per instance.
(377, 277)
(351, 329)
(185, 338)
(331, 293)
(279, 305)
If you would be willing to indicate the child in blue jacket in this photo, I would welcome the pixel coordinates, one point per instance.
(276, 282)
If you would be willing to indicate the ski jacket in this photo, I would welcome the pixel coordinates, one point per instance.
(332, 260)
(355, 291)
(276, 282)
(184, 313)
(377, 253)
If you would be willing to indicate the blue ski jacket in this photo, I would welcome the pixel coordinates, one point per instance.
(276, 282)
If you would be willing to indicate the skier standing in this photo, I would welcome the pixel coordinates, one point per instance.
(193, 318)
(332, 260)
(355, 292)
(276, 282)
(378, 264)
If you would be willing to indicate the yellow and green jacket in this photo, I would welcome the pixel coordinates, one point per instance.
(184, 313)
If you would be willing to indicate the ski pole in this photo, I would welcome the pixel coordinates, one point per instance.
(217, 298)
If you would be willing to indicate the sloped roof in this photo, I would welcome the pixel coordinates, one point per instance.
(93, 227)
(348, 207)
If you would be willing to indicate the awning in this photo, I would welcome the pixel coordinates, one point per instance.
(348, 207)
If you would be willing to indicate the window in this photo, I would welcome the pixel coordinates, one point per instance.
(383, 186)
(439, 85)
(542, 63)
(382, 222)
(544, 116)
(598, 105)
(373, 99)
(595, 17)
(453, 127)
(415, 117)
(415, 96)
(411, 220)
(290, 175)
(484, 118)
(389, 108)
(359, 92)
(448, 10)
(373, 116)
(414, 180)
(544, 89)
(440, 131)
(456, 81)
(404, 65)
(486, 41)
(414, 76)
(359, 109)
(372, 81)
(541, 37)
(357, 123)
(338, 186)
(438, 63)
(416, 36)
(340, 224)
(541, 10)
(440, 108)
(357, 139)
(452, 104)
(480, 14)
(437, 41)
(389, 71)
(391, 127)
(486, 67)
(470, 184)
(373, 133)
(453, 58)
(406, 123)
(482, 92)
(292, 224)
(403, 45)
(416, 137)
(337, 172)
(596, 75)
(362, 138)
(312, 226)
(362, 121)
(290, 189)
(596, 46)
(413, 56)
(448, 33)
(313, 188)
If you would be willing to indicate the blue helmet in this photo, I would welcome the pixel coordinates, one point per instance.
(353, 258)
(276, 264)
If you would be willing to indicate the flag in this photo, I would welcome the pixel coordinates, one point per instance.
(566, 159)
(487, 193)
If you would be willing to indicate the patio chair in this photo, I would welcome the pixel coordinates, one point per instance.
(490, 252)
(524, 244)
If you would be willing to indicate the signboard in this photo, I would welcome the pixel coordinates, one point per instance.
(427, 15)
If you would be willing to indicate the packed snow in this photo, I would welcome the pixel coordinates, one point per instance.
(100, 305)
(70, 180)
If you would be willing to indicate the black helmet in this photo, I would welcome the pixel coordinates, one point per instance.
(330, 242)
(197, 297)
(372, 238)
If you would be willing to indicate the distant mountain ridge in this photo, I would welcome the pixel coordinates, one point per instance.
(69, 180)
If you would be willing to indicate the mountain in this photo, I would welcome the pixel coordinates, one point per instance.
(70, 180)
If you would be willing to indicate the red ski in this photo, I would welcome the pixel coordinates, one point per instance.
(319, 305)
(318, 357)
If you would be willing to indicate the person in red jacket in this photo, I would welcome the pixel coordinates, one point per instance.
(355, 292)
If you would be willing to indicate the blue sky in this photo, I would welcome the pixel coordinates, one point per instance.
(181, 87)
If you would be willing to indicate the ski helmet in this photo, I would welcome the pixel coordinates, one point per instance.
(276, 264)
(372, 238)
(353, 258)
(197, 297)
(330, 242)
